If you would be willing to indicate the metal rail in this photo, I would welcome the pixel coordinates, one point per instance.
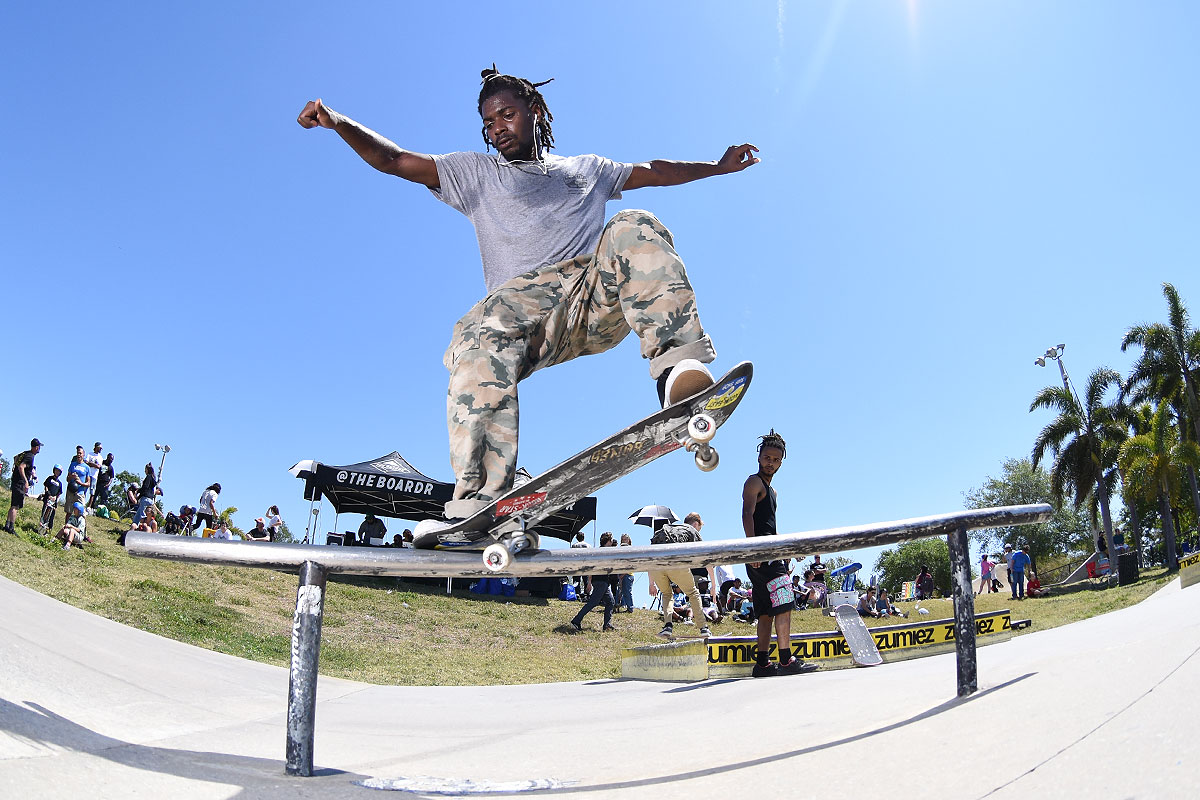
(314, 563)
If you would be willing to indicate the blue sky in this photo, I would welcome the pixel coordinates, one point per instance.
(946, 190)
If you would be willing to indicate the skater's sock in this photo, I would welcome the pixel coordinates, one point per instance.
(762, 659)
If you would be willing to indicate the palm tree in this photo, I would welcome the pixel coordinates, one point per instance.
(1080, 439)
(1169, 369)
(1154, 464)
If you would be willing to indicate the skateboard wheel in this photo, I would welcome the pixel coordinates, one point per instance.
(702, 428)
(496, 557)
(707, 463)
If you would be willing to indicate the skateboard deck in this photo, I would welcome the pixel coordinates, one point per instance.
(862, 644)
(689, 424)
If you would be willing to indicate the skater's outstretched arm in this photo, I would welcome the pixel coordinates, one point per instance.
(375, 149)
(673, 173)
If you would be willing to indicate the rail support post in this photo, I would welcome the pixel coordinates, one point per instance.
(964, 612)
(302, 686)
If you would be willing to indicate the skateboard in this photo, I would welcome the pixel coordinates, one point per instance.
(504, 528)
(862, 644)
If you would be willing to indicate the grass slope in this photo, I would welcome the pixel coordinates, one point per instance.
(388, 631)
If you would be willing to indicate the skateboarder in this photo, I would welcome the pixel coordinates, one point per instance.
(560, 282)
(771, 587)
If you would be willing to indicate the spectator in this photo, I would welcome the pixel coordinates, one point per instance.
(146, 494)
(771, 588)
(707, 603)
(818, 568)
(94, 463)
(397, 541)
(1016, 572)
(131, 495)
(371, 528)
(723, 597)
(75, 531)
(148, 522)
(53, 489)
(274, 524)
(1034, 588)
(985, 574)
(866, 604)
(810, 593)
(103, 480)
(408, 538)
(602, 593)
(625, 583)
(78, 479)
(661, 579)
(259, 532)
(722, 580)
(585, 582)
(884, 605)
(681, 609)
(222, 531)
(924, 583)
(206, 513)
(735, 596)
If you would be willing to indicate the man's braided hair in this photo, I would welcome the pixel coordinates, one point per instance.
(494, 82)
(773, 439)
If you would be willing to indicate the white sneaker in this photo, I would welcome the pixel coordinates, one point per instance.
(428, 527)
(686, 379)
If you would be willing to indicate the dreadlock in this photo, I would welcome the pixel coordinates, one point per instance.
(773, 439)
(494, 83)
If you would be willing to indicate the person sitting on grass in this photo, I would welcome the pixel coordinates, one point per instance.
(1034, 587)
(866, 604)
(811, 592)
(259, 533)
(222, 531)
(884, 605)
(75, 530)
(681, 606)
(149, 522)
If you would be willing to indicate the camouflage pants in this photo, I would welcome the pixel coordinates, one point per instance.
(634, 281)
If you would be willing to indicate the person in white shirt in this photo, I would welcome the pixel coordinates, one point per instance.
(206, 514)
(274, 522)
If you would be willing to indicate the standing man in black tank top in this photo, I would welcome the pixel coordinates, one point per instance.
(769, 580)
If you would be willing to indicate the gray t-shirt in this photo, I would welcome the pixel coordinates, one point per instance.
(526, 214)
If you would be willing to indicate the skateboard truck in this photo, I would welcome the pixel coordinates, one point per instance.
(498, 555)
(700, 431)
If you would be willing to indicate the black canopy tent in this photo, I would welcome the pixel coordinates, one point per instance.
(389, 486)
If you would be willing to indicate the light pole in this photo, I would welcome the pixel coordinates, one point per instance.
(166, 448)
(1055, 354)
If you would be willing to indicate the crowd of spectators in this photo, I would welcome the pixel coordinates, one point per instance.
(84, 490)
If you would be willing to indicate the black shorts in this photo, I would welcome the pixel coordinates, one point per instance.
(18, 499)
(761, 597)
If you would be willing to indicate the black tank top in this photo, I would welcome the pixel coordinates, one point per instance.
(764, 512)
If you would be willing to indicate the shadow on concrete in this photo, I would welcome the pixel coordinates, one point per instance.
(724, 768)
(257, 777)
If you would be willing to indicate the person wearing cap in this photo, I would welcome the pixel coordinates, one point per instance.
(93, 462)
(259, 533)
(75, 531)
(22, 476)
(53, 490)
(1016, 572)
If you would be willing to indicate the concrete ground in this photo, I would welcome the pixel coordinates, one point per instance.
(1105, 708)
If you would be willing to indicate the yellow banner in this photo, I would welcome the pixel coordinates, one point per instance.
(732, 651)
